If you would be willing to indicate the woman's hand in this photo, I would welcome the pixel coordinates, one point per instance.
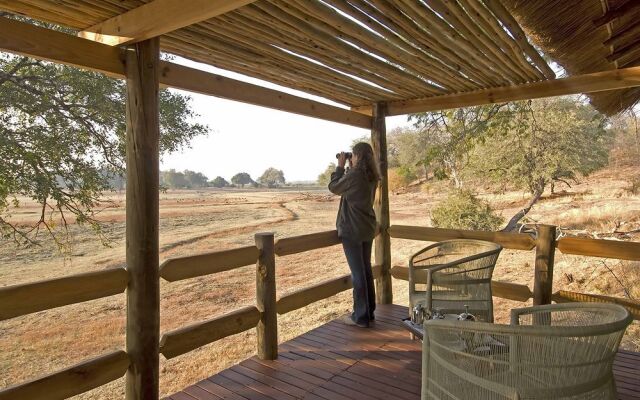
(342, 159)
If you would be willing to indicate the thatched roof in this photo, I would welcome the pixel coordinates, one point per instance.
(359, 52)
(566, 32)
(397, 49)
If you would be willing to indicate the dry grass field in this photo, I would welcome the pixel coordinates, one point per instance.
(208, 220)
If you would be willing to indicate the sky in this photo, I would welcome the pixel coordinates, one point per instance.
(247, 138)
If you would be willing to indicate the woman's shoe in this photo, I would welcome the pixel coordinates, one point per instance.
(347, 320)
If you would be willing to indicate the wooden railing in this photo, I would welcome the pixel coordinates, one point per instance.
(29, 298)
(545, 246)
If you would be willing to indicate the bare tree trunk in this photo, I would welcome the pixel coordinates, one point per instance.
(513, 222)
(456, 179)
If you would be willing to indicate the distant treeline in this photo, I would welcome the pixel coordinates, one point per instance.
(188, 179)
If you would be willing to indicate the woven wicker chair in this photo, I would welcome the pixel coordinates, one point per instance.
(560, 351)
(451, 274)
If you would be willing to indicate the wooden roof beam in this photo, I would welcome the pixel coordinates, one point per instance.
(156, 18)
(45, 44)
(587, 83)
(622, 37)
(611, 15)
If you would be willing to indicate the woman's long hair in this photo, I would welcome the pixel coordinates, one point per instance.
(367, 161)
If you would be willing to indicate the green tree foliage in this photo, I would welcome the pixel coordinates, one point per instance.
(272, 177)
(219, 182)
(183, 180)
(173, 179)
(241, 178)
(463, 210)
(626, 132)
(408, 152)
(195, 179)
(540, 143)
(325, 177)
(447, 137)
(62, 137)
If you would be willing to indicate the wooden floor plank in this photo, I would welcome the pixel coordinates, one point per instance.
(339, 362)
(200, 393)
(238, 388)
(256, 385)
(271, 381)
(218, 390)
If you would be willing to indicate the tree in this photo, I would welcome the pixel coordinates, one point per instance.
(219, 182)
(62, 134)
(448, 136)
(626, 130)
(241, 178)
(542, 142)
(408, 151)
(325, 177)
(173, 179)
(272, 177)
(195, 179)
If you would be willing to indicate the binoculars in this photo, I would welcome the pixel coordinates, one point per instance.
(348, 155)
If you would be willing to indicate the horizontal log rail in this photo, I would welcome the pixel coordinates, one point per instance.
(504, 290)
(302, 243)
(191, 337)
(175, 269)
(38, 296)
(516, 241)
(320, 291)
(72, 381)
(600, 248)
(511, 291)
(563, 296)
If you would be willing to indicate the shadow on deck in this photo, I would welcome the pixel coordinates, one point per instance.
(337, 362)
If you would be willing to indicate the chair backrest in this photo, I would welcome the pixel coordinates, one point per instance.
(457, 271)
(554, 351)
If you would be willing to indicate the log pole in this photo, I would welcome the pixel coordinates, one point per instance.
(384, 294)
(267, 328)
(545, 252)
(143, 290)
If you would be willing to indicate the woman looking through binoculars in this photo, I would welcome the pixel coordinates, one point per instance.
(356, 224)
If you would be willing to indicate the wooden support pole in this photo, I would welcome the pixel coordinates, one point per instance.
(143, 291)
(267, 328)
(545, 252)
(384, 294)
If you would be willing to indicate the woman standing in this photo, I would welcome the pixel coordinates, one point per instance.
(356, 224)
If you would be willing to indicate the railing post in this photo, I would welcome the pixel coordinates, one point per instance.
(267, 328)
(143, 290)
(384, 292)
(545, 251)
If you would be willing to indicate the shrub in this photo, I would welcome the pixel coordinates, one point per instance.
(463, 210)
(407, 173)
(396, 181)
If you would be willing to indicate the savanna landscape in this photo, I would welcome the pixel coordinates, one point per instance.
(195, 221)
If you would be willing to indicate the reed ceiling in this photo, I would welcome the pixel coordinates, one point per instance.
(357, 52)
(570, 34)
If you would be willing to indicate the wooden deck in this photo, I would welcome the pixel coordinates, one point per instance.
(337, 362)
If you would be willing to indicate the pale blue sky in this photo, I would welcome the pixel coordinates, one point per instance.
(247, 138)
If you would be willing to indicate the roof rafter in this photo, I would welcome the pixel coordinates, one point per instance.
(33, 41)
(586, 83)
(156, 18)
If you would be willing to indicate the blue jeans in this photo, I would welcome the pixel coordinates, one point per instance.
(364, 297)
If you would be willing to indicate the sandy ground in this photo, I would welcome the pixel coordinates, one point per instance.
(209, 220)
